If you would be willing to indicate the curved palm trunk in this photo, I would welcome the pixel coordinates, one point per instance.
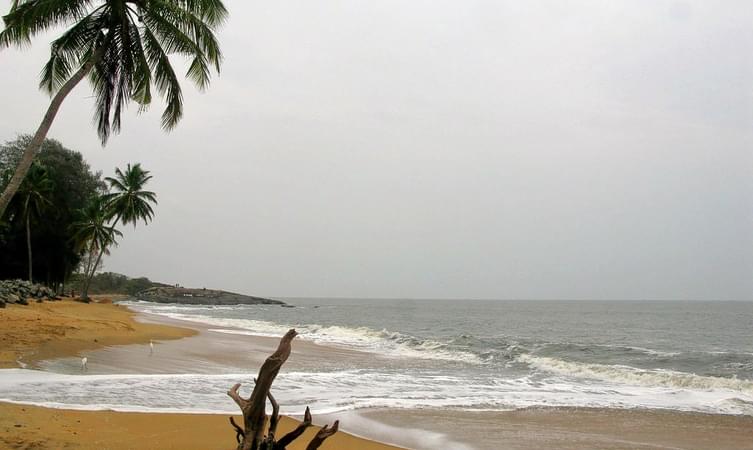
(36, 142)
(28, 244)
(89, 276)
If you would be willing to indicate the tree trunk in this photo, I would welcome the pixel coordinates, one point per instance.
(28, 243)
(36, 141)
(89, 276)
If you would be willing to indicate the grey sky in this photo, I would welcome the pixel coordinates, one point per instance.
(445, 149)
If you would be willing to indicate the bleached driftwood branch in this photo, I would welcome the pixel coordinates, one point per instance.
(251, 435)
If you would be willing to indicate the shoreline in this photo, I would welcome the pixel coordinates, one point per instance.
(530, 428)
(40, 334)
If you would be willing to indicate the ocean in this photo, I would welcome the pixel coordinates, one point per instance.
(452, 355)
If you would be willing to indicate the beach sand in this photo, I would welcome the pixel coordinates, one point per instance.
(40, 331)
(29, 427)
(205, 350)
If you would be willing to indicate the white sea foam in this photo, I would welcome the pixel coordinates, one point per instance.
(632, 375)
(336, 391)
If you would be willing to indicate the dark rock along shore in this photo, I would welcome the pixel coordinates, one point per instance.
(18, 291)
(201, 297)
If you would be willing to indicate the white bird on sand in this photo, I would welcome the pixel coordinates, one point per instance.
(83, 362)
(151, 346)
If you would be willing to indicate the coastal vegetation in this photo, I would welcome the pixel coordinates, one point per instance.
(66, 215)
(72, 183)
(112, 283)
(124, 48)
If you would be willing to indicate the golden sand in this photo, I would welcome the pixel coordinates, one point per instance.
(65, 328)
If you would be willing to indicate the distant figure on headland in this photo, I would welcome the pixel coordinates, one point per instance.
(84, 360)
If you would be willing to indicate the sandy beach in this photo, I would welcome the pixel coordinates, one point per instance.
(203, 350)
(40, 331)
(28, 427)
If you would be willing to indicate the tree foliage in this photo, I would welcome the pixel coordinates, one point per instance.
(129, 42)
(32, 202)
(113, 283)
(127, 201)
(124, 47)
(73, 184)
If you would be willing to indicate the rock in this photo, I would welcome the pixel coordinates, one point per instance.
(168, 294)
(2, 304)
(22, 289)
(13, 298)
(22, 302)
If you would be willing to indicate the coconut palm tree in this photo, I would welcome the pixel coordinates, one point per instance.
(93, 236)
(127, 201)
(32, 199)
(123, 46)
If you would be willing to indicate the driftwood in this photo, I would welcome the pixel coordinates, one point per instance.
(251, 435)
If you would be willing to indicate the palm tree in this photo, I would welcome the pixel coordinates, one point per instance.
(32, 199)
(124, 48)
(128, 202)
(93, 235)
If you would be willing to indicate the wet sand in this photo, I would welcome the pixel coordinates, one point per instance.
(573, 429)
(205, 351)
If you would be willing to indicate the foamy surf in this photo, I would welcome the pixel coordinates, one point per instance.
(337, 391)
(632, 375)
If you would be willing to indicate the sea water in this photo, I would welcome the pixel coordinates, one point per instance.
(459, 354)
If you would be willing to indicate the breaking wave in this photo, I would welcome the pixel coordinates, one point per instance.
(385, 342)
(632, 375)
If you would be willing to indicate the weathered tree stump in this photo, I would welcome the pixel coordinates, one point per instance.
(251, 435)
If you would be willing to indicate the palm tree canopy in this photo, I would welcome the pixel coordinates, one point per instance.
(34, 194)
(130, 42)
(91, 228)
(128, 200)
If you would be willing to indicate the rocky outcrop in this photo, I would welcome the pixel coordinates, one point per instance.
(201, 297)
(19, 291)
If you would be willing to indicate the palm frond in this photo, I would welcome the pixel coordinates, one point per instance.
(67, 52)
(165, 79)
(30, 17)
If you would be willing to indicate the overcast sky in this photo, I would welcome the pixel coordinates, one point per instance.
(445, 149)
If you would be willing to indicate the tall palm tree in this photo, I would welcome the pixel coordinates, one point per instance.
(127, 201)
(124, 48)
(93, 235)
(32, 199)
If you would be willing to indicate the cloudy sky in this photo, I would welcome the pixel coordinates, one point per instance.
(445, 149)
